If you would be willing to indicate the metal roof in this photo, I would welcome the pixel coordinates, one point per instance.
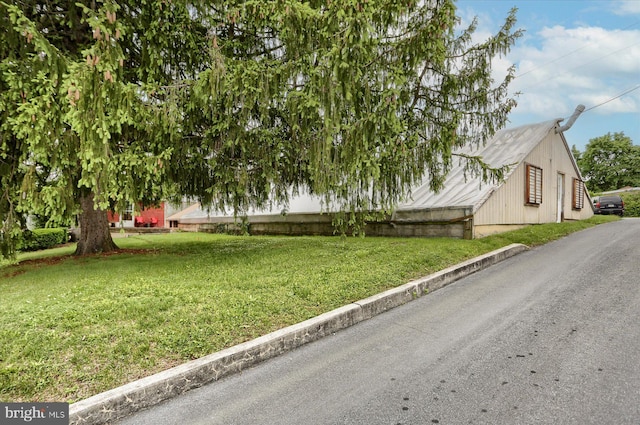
(506, 147)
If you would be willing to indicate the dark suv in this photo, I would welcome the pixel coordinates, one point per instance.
(608, 204)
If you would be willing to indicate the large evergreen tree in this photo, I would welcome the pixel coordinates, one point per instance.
(80, 128)
(237, 103)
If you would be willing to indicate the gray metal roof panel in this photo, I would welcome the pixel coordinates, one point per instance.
(506, 147)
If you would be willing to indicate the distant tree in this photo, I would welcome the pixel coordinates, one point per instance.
(237, 103)
(610, 162)
(576, 153)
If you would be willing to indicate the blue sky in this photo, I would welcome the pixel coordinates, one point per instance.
(572, 52)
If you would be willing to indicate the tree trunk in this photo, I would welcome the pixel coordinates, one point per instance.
(94, 229)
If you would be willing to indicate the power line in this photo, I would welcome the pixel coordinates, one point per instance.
(602, 57)
(614, 98)
(566, 71)
(550, 62)
(570, 53)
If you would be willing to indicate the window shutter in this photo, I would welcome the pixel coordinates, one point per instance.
(578, 194)
(534, 185)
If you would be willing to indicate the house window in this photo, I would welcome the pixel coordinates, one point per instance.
(127, 215)
(578, 194)
(533, 190)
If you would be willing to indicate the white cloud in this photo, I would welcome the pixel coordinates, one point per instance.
(620, 105)
(626, 7)
(586, 65)
(566, 58)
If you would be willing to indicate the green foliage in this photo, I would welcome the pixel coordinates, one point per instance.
(238, 103)
(631, 203)
(41, 222)
(352, 101)
(37, 239)
(74, 120)
(610, 162)
(576, 153)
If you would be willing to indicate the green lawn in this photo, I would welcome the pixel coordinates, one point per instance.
(73, 327)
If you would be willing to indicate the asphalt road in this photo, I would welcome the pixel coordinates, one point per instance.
(551, 336)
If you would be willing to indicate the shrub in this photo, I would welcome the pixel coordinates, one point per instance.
(33, 240)
(631, 204)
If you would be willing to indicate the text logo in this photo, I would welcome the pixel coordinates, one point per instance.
(34, 413)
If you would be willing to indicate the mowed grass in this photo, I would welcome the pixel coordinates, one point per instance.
(73, 327)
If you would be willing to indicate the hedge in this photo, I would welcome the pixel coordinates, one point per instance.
(631, 204)
(33, 240)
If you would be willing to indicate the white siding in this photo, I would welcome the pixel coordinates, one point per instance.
(507, 204)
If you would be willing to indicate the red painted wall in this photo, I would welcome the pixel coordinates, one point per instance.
(148, 217)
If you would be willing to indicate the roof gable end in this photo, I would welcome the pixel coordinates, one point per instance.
(506, 147)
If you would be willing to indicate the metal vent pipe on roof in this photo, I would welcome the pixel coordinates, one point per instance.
(572, 119)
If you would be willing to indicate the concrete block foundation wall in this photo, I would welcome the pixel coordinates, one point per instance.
(444, 223)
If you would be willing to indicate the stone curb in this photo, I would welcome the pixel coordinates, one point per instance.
(123, 401)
